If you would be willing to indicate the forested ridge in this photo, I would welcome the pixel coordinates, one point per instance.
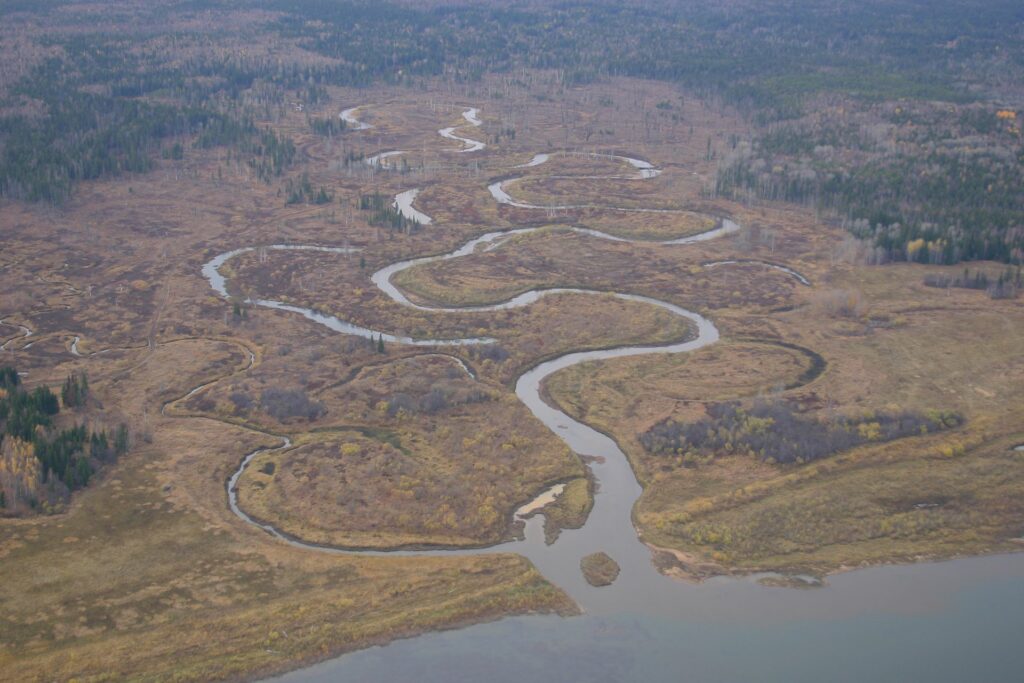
(923, 181)
(98, 106)
(107, 111)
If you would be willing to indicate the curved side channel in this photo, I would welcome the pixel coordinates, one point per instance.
(349, 117)
(381, 160)
(404, 203)
(799, 277)
(609, 526)
(471, 119)
(211, 271)
(25, 333)
(645, 170)
(382, 278)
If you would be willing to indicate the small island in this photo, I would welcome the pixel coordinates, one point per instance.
(599, 569)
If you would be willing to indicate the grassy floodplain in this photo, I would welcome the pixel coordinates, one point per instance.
(141, 140)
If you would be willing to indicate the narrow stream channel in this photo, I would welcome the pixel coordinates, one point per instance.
(349, 117)
(470, 145)
(948, 621)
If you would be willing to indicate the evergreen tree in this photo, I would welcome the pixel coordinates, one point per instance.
(9, 377)
(121, 442)
(45, 401)
(75, 390)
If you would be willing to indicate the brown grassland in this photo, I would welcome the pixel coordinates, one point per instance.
(149, 570)
(148, 567)
(907, 346)
(416, 472)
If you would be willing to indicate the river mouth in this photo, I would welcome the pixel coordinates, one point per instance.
(648, 626)
(609, 527)
(944, 622)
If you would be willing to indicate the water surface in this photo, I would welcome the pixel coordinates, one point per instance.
(947, 621)
(944, 622)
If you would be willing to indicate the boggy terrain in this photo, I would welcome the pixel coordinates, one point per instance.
(873, 344)
(413, 451)
(396, 446)
(111, 284)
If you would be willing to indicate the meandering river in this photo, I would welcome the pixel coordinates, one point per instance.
(471, 116)
(949, 621)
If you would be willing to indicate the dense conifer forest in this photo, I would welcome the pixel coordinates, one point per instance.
(95, 107)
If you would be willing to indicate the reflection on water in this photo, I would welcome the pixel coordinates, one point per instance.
(949, 621)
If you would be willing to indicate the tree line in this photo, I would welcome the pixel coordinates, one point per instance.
(1007, 285)
(385, 214)
(41, 463)
(108, 108)
(99, 119)
(939, 187)
(774, 432)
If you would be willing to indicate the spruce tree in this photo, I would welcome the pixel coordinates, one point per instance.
(121, 439)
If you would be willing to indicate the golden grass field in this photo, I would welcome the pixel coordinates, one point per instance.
(149, 569)
(408, 476)
(911, 347)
